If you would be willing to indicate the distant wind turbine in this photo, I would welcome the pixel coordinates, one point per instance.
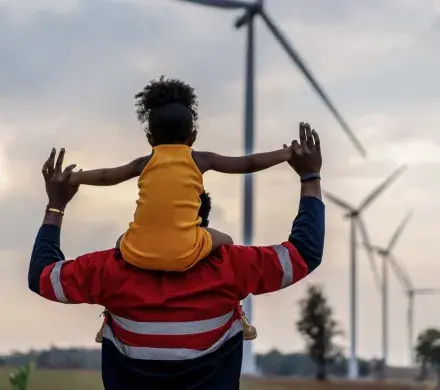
(385, 253)
(356, 221)
(411, 292)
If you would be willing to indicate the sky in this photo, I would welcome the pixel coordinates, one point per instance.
(68, 76)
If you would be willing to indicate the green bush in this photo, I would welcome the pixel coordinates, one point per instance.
(19, 379)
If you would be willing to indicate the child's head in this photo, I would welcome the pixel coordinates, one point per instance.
(168, 108)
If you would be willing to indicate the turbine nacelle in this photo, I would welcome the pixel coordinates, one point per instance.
(255, 8)
(351, 214)
(382, 252)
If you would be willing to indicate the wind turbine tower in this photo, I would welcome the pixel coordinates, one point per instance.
(356, 222)
(411, 292)
(386, 253)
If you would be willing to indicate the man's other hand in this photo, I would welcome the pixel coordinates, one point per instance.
(59, 190)
(306, 154)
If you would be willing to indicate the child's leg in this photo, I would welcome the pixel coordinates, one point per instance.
(218, 238)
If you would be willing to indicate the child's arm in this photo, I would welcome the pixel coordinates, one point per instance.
(245, 164)
(110, 176)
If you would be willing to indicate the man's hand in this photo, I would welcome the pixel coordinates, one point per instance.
(306, 155)
(58, 188)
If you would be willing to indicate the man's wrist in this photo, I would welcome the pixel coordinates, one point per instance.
(310, 177)
(53, 216)
(311, 188)
(56, 206)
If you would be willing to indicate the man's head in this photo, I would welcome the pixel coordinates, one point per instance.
(205, 208)
(169, 110)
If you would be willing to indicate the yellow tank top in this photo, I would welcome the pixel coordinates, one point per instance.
(165, 233)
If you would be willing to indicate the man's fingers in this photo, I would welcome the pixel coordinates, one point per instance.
(44, 170)
(47, 169)
(67, 172)
(302, 134)
(309, 137)
(51, 160)
(71, 167)
(59, 162)
(317, 140)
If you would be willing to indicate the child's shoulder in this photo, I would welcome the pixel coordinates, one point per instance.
(200, 160)
(141, 162)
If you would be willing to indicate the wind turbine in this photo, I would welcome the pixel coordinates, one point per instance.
(411, 292)
(356, 221)
(251, 10)
(385, 253)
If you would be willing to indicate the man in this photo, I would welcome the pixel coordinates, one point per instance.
(177, 330)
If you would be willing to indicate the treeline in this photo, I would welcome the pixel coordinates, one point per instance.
(56, 358)
(272, 363)
(275, 363)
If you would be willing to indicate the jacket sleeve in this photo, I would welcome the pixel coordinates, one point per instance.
(260, 270)
(60, 280)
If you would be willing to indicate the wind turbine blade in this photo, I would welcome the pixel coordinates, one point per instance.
(370, 252)
(401, 273)
(296, 58)
(399, 231)
(370, 247)
(381, 187)
(427, 291)
(226, 4)
(367, 247)
(341, 203)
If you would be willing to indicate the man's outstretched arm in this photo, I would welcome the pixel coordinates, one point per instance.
(46, 250)
(260, 270)
(264, 269)
(50, 275)
(54, 278)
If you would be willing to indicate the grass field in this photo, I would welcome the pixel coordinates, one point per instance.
(91, 380)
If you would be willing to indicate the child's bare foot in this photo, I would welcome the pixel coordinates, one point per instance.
(98, 337)
(249, 331)
(100, 334)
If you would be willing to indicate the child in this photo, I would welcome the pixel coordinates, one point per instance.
(165, 233)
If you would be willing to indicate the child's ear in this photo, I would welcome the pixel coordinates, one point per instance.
(192, 138)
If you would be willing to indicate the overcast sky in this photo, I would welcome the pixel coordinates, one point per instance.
(68, 73)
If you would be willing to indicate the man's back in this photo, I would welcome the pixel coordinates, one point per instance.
(164, 325)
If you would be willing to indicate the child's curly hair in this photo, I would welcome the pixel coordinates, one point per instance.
(169, 110)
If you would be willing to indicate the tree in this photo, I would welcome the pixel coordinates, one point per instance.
(428, 352)
(319, 329)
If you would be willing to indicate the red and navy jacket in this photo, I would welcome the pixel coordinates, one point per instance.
(171, 330)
